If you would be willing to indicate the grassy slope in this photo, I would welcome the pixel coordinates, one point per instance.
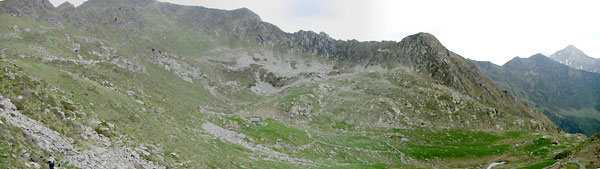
(171, 115)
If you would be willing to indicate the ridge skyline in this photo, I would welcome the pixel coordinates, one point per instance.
(342, 21)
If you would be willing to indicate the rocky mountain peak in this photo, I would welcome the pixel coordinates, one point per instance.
(204, 72)
(515, 62)
(26, 7)
(422, 43)
(246, 13)
(555, 88)
(572, 56)
(535, 62)
(65, 6)
(572, 51)
(39, 4)
(429, 39)
(569, 52)
(539, 56)
(101, 3)
(535, 57)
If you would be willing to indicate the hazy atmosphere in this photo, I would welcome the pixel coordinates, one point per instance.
(479, 30)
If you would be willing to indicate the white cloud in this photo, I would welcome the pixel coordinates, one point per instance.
(482, 30)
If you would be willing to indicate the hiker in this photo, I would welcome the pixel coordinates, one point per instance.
(51, 161)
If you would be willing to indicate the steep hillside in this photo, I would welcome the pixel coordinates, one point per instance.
(575, 58)
(568, 96)
(585, 155)
(589, 152)
(164, 85)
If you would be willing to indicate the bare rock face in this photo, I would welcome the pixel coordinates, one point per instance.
(422, 44)
(26, 7)
(44, 137)
(239, 139)
(67, 11)
(66, 6)
(33, 165)
(129, 64)
(575, 58)
(35, 8)
(51, 141)
(116, 157)
(265, 73)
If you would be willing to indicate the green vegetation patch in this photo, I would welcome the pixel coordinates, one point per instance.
(432, 152)
(540, 165)
(539, 146)
(361, 142)
(271, 131)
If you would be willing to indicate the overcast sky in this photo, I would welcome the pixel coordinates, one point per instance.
(493, 31)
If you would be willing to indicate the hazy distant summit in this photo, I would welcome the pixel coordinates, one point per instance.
(569, 97)
(573, 57)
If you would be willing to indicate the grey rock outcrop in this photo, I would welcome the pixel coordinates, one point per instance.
(35, 8)
(115, 157)
(129, 64)
(575, 58)
(51, 141)
(174, 64)
(239, 139)
(44, 137)
(26, 7)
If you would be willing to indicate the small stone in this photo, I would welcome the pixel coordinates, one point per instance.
(110, 125)
(145, 153)
(95, 122)
(35, 165)
(174, 155)
(25, 155)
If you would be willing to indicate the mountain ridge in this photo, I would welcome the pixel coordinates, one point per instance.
(575, 58)
(193, 87)
(422, 51)
(561, 92)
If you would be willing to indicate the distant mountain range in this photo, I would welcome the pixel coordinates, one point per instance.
(570, 97)
(575, 58)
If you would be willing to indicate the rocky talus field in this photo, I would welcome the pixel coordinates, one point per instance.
(148, 84)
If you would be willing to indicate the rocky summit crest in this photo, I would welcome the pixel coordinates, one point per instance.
(66, 6)
(422, 43)
(422, 52)
(148, 84)
(575, 58)
(26, 7)
(572, 50)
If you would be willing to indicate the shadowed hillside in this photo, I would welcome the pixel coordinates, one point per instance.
(569, 97)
